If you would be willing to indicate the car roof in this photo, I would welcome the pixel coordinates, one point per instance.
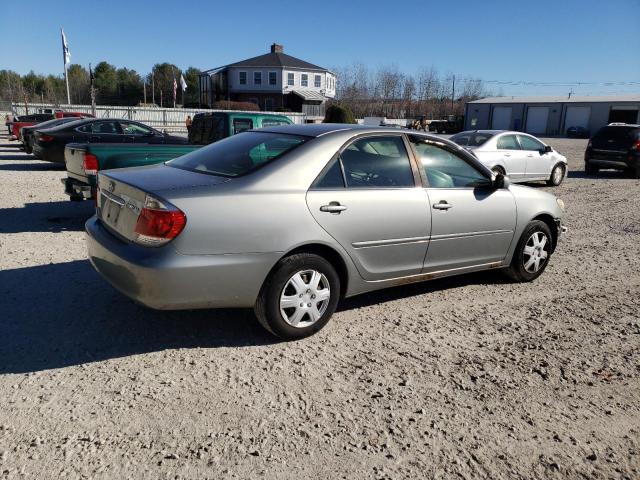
(319, 129)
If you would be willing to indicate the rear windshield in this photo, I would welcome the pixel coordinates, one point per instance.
(471, 139)
(618, 136)
(238, 155)
(207, 129)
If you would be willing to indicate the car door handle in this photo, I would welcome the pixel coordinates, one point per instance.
(442, 205)
(333, 207)
(530, 155)
(507, 154)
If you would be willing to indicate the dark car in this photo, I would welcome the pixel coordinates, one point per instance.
(27, 132)
(49, 144)
(615, 146)
(577, 132)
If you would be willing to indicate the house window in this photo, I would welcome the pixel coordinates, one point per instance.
(304, 80)
(272, 78)
(257, 78)
(243, 78)
(290, 79)
(317, 81)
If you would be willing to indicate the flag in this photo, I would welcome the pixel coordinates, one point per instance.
(65, 49)
(183, 83)
(175, 88)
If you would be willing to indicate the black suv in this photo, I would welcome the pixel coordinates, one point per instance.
(615, 146)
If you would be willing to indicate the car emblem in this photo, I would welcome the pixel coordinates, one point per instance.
(112, 186)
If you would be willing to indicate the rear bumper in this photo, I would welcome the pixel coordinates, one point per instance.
(620, 163)
(51, 154)
(164, 279)
(76, 188)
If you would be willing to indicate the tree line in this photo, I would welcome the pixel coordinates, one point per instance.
(113, 86)
(385, 91)
(389, 92)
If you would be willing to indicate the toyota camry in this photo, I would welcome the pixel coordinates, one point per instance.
(289, 220)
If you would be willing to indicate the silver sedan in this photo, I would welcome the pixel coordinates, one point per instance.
(290, 219)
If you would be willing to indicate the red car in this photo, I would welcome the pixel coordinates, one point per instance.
(30, 120)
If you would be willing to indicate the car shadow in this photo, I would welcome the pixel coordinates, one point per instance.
(46, 217)
(489, 277)
(65, 314)
(602, 174)
(31, 167)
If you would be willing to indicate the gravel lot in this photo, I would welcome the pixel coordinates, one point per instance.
(471, 377)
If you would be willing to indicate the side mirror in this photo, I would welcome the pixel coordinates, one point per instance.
(499, 181)
(546, 149)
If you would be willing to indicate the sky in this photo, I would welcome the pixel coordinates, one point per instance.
(552, 45)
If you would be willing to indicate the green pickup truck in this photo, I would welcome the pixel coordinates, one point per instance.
(207, 128)
(84, 160)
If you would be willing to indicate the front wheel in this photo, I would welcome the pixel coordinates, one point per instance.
(532, 252)
(590, 169)
(299, 296)
(557, 175)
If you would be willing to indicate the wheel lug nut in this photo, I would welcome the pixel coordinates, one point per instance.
(302, 304)
(308, 305)
(300, 295)
(313, 296)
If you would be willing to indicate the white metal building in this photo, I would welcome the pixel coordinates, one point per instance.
(551, 115)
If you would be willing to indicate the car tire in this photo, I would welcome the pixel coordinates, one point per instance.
(528, 261)
(557, 175)
(590, 169)
(292, 279)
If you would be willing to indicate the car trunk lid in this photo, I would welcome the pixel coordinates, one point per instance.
(123, 192)
(74, 160)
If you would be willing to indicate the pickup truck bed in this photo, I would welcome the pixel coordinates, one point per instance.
(79, 185)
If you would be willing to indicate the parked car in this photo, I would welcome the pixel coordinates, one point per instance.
(211, 127)
(63, 114)
(26, 121)
(577, 132)
(523, 157)
(615, 146)
(85, 160)
(26, 133)
(290, 219)
(451, 124)
(50, 145)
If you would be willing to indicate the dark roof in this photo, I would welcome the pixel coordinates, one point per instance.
(276, 60)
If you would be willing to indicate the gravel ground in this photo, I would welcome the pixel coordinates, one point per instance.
(471, 377)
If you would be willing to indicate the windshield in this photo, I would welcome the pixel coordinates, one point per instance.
(238, 155)
(471, 139)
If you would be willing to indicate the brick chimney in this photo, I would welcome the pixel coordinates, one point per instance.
(275, 48)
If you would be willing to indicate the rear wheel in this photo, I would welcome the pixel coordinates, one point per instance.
(532, 252)
(590, 169)
(557, 175)
(299, 296)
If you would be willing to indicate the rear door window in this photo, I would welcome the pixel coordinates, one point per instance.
(129, 128)
(377, 162)
(270, 122)
(508, 142)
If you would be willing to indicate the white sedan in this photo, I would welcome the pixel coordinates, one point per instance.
(520, 156)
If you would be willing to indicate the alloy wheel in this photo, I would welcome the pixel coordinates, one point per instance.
(304, 298)
(536, 252)
(557, 175)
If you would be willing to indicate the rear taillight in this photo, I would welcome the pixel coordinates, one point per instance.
(158, 223)
(90, 164)
(45, 138)
(636, 146)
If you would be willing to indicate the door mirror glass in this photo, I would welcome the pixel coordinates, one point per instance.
(547, 149)
(498, 181)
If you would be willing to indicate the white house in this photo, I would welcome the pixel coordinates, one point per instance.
(274, 81)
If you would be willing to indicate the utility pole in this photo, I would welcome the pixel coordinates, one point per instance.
(92, 92)
(144, 91)
(453, 92)
(160, 98)
(153, 89)
(570, 92)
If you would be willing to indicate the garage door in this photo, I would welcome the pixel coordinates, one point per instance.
(624, 115)
(577, 117)
(537, 119)
(501, 119)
